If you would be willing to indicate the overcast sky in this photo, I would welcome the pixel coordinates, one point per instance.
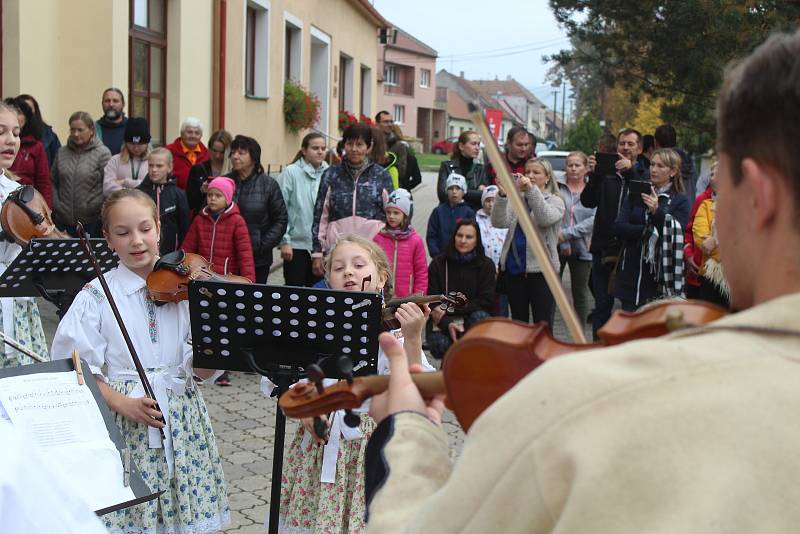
(485, 39)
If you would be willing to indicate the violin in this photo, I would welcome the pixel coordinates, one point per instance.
(169, 280)
(492, 357)
(25, 215)
(448, 303)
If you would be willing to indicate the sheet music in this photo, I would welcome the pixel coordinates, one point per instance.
(63, 419)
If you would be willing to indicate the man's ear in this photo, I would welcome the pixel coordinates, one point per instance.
(766, 186)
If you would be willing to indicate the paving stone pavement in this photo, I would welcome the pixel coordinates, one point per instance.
(244, 419)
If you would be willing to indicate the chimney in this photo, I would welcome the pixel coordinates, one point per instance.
(461, 74)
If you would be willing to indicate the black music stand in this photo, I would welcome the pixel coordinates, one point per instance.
(139, 487)
(277, 331)
(53, 268)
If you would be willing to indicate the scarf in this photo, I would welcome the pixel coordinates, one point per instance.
(355, 170)
(396, 233)
(666, 262)
(463, 258)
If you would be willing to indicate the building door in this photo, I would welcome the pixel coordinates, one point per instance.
(147, 65)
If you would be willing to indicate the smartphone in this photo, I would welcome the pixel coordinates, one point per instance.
(606, 163)
(635, 190)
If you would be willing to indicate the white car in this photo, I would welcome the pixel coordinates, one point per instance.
(558, 159)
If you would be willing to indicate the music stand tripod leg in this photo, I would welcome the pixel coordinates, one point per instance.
(283, 381)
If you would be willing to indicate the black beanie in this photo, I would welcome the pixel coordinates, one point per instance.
(137, 130)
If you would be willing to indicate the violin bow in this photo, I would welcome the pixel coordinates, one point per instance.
(14, 344)
(148, 389)
(531, 232)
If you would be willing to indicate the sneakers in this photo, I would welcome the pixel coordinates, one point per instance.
(223, 380)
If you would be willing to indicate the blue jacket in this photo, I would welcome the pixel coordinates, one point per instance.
(441, 224)
(635, 281)
(348, 206)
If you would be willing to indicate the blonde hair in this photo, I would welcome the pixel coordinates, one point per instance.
(121, 194)
(125, 156)
(673, 160)
(579, 154)
(376, 255)
(161, 151)
(552, 186)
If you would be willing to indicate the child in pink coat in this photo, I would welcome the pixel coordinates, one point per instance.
(403, 246)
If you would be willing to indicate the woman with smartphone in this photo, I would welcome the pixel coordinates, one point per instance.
(651, 215)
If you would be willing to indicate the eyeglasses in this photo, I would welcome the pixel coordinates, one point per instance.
(387, 121)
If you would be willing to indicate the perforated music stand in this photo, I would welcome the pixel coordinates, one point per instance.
(50, 267)
(277, 331)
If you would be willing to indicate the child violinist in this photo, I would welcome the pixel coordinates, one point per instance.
(185, 465)
(20, 315)
(323, 483)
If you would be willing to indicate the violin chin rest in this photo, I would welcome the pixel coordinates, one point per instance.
(170, 261)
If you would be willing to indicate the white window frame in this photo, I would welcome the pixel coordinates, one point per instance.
(261, 49)
(366, 90)
(424, 78)
(296, 24)
(399, 114)
(391, 75)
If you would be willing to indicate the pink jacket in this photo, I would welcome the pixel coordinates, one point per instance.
(406, 254)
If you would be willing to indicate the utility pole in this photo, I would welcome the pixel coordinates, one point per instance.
(563, 110)
(555, 105)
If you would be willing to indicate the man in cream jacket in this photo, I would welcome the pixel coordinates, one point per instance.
(692, 432)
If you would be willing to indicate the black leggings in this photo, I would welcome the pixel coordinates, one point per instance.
(528, 292)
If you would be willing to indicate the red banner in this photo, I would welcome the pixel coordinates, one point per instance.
(494, 117)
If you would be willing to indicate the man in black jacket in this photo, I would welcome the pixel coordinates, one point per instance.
(606, 191)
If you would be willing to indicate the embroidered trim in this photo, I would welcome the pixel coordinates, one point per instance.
(96, 293)
(151, 319)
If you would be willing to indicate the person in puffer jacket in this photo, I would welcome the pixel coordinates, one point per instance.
(446, 215)
(403, 246)
(77, 176)
(350, 197)
(170, 200)
(219, 233)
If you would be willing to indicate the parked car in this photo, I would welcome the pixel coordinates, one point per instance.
(558, 159)
(445, 146)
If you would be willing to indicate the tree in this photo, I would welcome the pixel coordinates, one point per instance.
(675, 50)
(584, 134)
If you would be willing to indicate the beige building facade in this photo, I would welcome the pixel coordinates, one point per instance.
(222, 61)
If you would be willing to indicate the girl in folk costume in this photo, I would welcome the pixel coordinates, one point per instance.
(322, 487)
(185, 465)
(403, 246)
(20, 315)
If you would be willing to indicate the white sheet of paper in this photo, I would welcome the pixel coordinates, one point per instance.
(63, 419)
(52, 408)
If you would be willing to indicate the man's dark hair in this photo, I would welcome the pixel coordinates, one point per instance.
(358, 131)
(378, 115)
(607, 143)
(629, 131)
(118, 91)
(515, 131)
(760, 96)
(665, 136)
(242, 142)
(648, 142)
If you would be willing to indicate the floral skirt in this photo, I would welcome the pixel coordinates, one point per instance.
(311, 506)
(27, 331)
(194, 499)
